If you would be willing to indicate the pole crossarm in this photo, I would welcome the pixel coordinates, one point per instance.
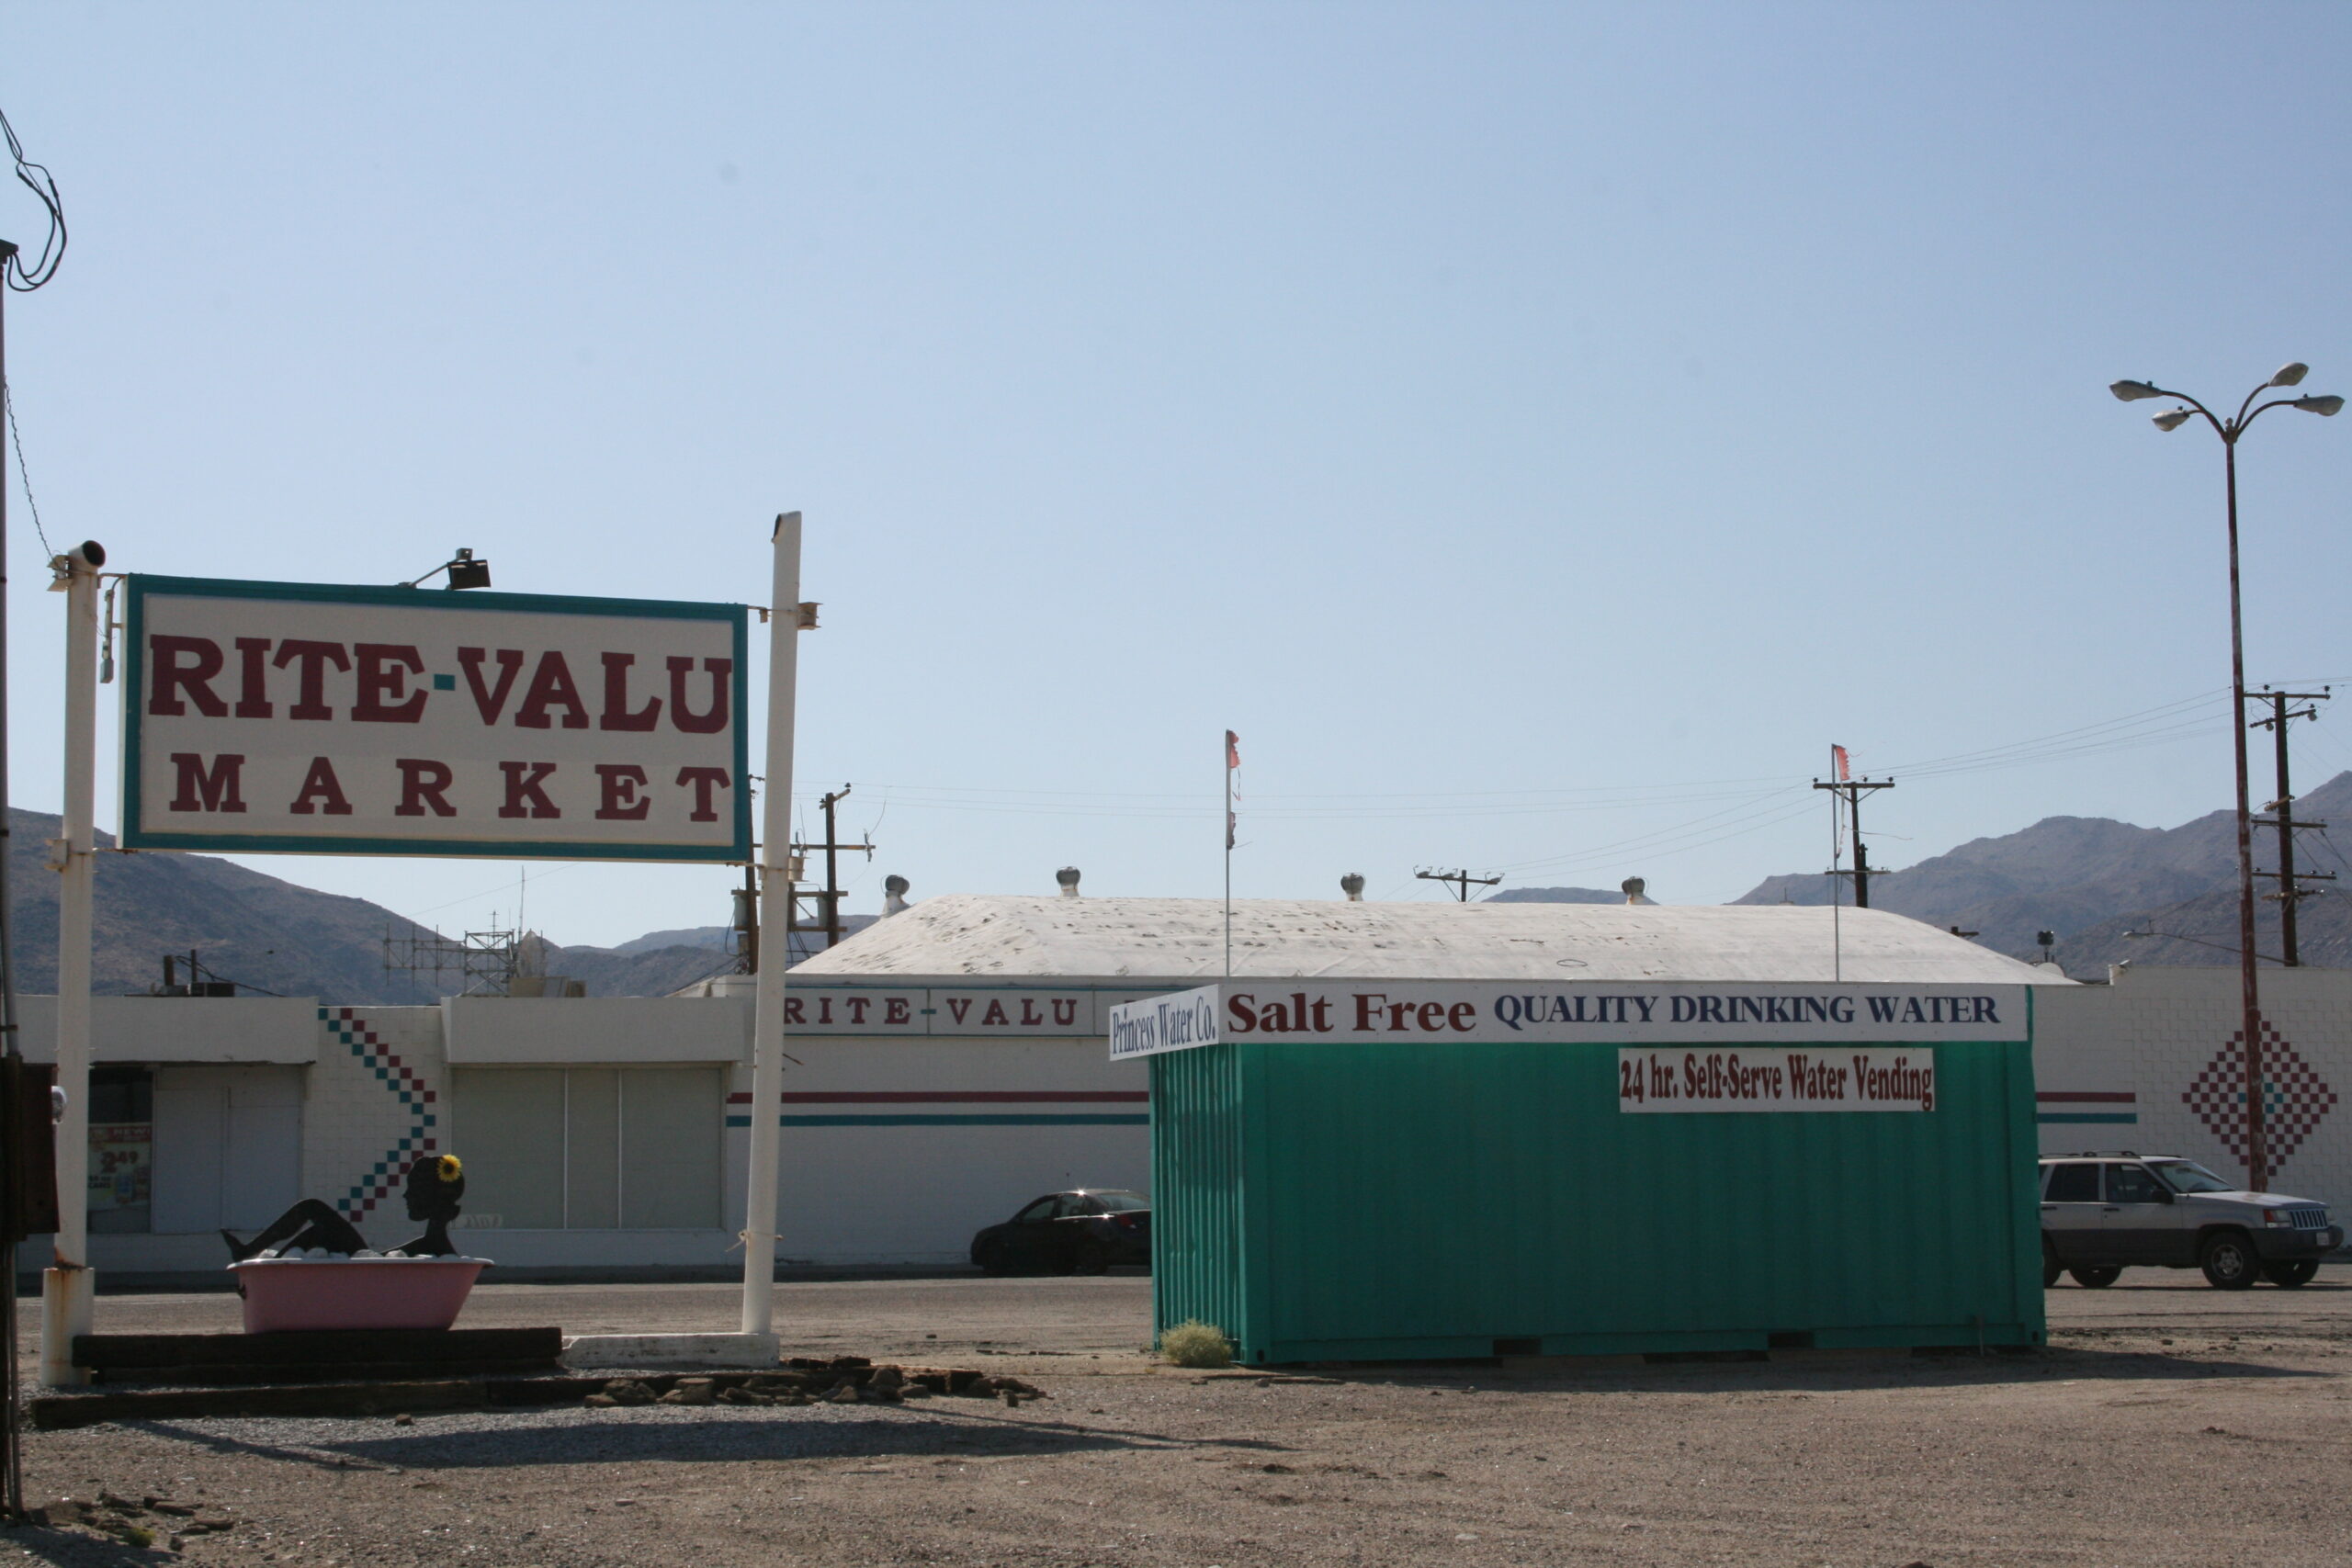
(1461, 881)
(1851, 791)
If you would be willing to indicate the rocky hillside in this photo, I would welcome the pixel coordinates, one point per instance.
(1554, 895)
(274, 935)
(2089, 879)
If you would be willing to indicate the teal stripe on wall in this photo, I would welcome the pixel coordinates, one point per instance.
(2126, 1118)
(951, 1120)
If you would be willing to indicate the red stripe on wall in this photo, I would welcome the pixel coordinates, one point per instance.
(2097, 1099)
(960, 1097)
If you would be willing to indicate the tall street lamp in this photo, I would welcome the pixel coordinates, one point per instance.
(2257, 1153)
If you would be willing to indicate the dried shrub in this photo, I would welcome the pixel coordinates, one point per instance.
(1196, 1344)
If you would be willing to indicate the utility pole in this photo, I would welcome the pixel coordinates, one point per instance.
(747, 923)
(1462, 880)
(2291, 889)
(829, 920)
(24, 1187)
(1852, 792)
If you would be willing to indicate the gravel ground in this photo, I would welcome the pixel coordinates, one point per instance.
(2169, 1424)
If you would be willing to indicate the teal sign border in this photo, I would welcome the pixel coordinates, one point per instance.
(137, 837)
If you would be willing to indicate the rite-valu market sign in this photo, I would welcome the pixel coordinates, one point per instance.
(352, 720)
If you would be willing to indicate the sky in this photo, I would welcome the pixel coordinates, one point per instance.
(1539, 430)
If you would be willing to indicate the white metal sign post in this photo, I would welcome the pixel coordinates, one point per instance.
(67, 1286)
(776, 905)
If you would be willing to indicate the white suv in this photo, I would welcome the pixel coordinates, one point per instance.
(2104, 1211)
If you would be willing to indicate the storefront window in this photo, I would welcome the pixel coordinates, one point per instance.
(122, 1145)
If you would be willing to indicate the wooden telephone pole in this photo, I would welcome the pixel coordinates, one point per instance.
(2291, 889)
(1852, 792)
(1462, 881)
(829, 901)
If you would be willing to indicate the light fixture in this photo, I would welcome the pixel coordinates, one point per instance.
(2172, 420)
(2325, 405)
(2132, 391)
(2291, 374)
(464, 571)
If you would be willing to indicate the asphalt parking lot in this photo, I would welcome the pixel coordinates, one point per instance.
(2168, 1423)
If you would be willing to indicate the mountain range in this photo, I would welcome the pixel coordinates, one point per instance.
(276, 936)
(2092, 882)
(2108, 892)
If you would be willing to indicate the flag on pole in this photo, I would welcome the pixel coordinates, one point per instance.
(1845, 773)
(1232, 762)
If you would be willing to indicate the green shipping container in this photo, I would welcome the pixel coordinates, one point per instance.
(1324, 1200)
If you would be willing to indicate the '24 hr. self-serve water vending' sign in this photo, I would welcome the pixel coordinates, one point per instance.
(340, 720)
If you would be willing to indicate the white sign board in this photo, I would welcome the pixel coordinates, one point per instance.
(340, 720)
(1776, 1078)
(1633, 1012)
(1177, 1023)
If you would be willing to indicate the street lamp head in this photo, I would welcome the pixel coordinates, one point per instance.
(2326, 405)
(2132, 391)
(2291, 374)
(2172, 419)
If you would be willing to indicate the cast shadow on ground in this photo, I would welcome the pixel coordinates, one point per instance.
(726, 1439)
(1806, 1372)
(71, 1548)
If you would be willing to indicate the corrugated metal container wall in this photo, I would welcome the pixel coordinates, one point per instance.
(1403, 1202)
(1196, 1165)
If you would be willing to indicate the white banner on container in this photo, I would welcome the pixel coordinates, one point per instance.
(1734, 1014)
(1181, 1021)
(1766, 1078)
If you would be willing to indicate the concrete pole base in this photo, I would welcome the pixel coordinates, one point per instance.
(67, 1296)
(750, 1352)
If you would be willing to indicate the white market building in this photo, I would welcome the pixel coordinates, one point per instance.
(950, 1063)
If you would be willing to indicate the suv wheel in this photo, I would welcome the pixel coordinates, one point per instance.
(2287, 1276)
(2230, 1262)
(2096, 1279)
(2051, 1267)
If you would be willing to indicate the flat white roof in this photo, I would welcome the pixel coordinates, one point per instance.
(1023, 937)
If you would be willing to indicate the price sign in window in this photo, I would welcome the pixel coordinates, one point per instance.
(122, 1148)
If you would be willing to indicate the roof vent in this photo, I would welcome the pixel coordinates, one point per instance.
(1353, 885)
(1068, 878)
(1634, 886)
(894, 895)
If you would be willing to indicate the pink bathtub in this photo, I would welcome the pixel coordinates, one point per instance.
(359, 1293)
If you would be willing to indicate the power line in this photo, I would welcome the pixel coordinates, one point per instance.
(35, 178)
(24, 474)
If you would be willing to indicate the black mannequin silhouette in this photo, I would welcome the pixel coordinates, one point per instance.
(435, 1185)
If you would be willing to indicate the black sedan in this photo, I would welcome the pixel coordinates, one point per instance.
(1069, 1232)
